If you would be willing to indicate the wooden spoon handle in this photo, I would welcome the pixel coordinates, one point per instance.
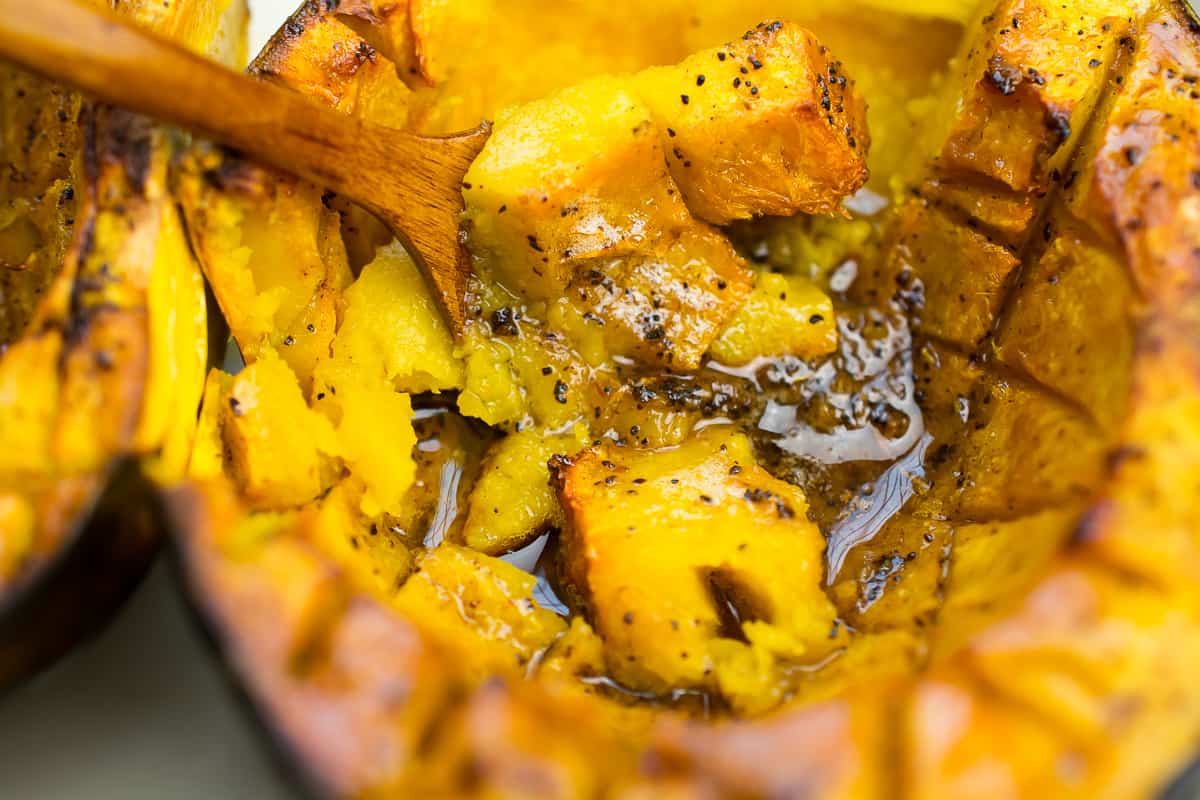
(107, 57)
(412, 182)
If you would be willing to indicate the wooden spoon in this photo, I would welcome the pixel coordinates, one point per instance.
(413, 183)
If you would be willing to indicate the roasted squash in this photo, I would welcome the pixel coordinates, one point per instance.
(103, 349)
(752, 475)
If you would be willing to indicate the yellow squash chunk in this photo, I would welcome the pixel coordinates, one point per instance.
(696, 567)
(767, 124)
(570, 196)
(375, 558)
(1008, 124)
(318, 56)
(375, 440)
(480, 607)
(512, 501)
(216, 28)
(784, 315)
(274, 440)
(578, 174)
(391, 320)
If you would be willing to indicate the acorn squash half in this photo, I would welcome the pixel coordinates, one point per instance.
(942, 546)
(103, 348)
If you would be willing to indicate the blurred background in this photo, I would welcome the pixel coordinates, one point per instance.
(140, 712)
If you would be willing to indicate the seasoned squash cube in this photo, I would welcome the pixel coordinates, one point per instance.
(1011, 119)
(480, 607)
(784, 315)
(571, 197)
(577, 174)
(664, 305)
(512, 501)
(951, 276)
(767, 124)
(696, 567)
(1024, 450)
(273, 440)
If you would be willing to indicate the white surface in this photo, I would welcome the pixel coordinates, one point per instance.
(141, 712)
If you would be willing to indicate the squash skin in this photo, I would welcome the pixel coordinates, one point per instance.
(87, 578)
(893, 733)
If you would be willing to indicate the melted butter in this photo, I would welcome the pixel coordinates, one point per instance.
(872, 507)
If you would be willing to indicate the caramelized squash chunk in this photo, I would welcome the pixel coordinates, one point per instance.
(696, 567)
(597, 193)
(571, 197)
(768, 124)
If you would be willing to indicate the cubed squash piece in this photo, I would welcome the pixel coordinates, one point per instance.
(696, 567)
(666, 304)
(571, 197)
(273, 440)
(480, 607)
(784, 315)
(1070, 323)
(953, 277)
(1027, 90)
(577, 174)
(512, 501)
(767, 124)
(1025, 450)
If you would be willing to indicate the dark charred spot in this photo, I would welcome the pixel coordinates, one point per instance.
(1059, 124)
(504, 322)
(1002, 76)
